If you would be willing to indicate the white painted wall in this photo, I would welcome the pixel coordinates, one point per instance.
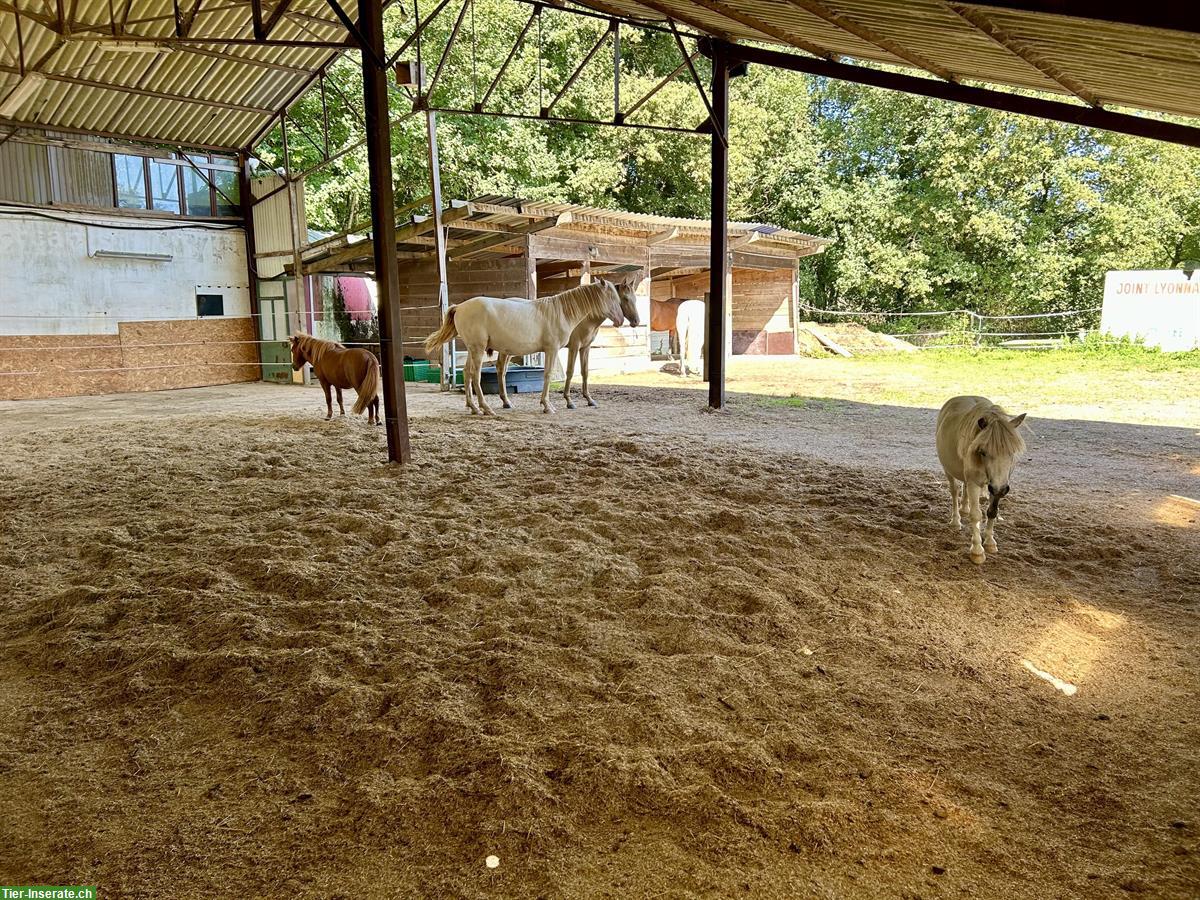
(52, 283)
(1160, 306)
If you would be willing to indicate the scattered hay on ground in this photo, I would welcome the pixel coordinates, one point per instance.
(241, 655)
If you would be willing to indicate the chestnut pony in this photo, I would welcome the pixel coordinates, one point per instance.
(341, 367)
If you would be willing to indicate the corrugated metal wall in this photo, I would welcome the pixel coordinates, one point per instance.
(42, 174)
(24, 173)
(272, 226)
(81, 177)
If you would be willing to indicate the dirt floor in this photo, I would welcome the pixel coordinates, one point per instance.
(640, 650)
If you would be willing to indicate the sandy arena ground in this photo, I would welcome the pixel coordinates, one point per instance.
(641, 650)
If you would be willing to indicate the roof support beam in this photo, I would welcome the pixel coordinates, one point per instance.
(124, 136)
(497, 240)
(851, 26)
(437, 72)
(246, 60)
(276, 14)
(981, 22)
(612, 27)
(360, 40)
(220, 41)
(188, 20)
(508, 59)
(1058, 111)
(412, 38)
(687, 59)
(658, 87)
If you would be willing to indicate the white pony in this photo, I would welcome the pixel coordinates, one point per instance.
(514, 327)
(977, 443)
(689, 326)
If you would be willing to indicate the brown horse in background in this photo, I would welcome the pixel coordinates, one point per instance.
(340, 367)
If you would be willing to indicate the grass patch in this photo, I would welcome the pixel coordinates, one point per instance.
(1119, 382)
(795, 401)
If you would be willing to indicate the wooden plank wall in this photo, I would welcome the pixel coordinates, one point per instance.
(762, 311)
(762, 306)
(467, 278)
(141, 356)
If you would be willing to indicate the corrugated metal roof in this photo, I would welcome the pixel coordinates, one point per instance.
(197, 95)
(222, 95)
(1098, 60)
(639, 224)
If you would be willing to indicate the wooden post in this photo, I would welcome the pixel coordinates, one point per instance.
(383, 230)
(796, 307)
(439, 241)
(715, 326)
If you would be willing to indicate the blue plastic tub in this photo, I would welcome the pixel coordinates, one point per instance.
(520, 379)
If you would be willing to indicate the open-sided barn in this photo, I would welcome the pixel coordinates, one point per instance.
(630, 651)
(505, 246)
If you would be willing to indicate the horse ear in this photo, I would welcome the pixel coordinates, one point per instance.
(982, 424)
(1016, 421)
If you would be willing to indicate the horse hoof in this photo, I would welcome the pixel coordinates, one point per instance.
(593, 403)
(506, 406)
(991, 547)
(978, 558)
(570, 406)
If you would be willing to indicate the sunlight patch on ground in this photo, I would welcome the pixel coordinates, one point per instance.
(1106, 620)
(1071, 649)
(1181, 512)
(1064, 686)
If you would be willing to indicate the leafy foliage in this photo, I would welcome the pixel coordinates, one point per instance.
(930, 205)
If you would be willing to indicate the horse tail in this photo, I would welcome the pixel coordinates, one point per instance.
(443, 334)
(369, 389)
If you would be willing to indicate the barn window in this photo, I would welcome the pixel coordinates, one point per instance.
(197, 192)
(130, 178)
(210, 305)
(192, 185)
(227, 192)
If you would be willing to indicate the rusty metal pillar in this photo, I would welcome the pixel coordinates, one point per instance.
(383, 228)
(718, 300)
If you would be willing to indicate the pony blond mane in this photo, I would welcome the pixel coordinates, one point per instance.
(584, 301)
(314, 348)
(1000, 438)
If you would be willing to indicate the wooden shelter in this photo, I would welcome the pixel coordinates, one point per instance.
(511, 247)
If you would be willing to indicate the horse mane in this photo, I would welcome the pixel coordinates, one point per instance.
(1000, 437)
(314, 348)
(584, 301)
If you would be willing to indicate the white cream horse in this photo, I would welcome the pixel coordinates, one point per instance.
(689, 326)
(579, 346)
(515, 327)
(977, 443)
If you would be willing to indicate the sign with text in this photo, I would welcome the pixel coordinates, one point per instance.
(1162, 307)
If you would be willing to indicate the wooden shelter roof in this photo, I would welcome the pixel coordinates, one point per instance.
(494, 226)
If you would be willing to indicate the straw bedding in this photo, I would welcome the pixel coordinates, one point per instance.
(240, 654)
